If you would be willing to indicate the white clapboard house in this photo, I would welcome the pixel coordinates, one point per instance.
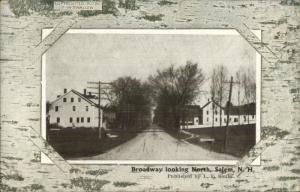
(203, 117)
(74, 109)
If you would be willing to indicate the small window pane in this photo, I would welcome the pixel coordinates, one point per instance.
(65, 99)
(71, 119)
(58, 120)
(72, 99)
(77, 120)
(88, 119)
(56, 108)
(74, 108)
(82, 119)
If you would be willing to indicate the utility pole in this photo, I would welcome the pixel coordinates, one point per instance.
(228, 111)
(99, 111)
(100, 93)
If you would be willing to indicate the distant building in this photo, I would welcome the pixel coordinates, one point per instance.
(191, 115)
(74, 109)
(209, 115)
(109, 117)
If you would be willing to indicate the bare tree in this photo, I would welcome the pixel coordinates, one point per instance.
(252, 85)
(238, 77)
(249, 86)
(175, 88)
(131, 98)
(213, 91)
(221, 73)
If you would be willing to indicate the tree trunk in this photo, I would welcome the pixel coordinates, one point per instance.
(248, 115)
(213, 117)
(213, 114)
(220, 117)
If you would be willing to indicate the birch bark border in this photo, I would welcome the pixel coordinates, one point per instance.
(59, 30)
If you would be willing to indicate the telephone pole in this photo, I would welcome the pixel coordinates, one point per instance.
(99, 111)
(228, 111)
(100, 88)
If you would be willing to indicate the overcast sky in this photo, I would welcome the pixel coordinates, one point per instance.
(77, 58)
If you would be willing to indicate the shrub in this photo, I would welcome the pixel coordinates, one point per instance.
(153, 18)
(166, 2)
(123, 183)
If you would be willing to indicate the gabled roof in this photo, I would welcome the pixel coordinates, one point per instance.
(212, 102)
(79, 95)
(247, 109)
(194, 110)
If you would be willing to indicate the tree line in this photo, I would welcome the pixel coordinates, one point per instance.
(171, 89)
(244, 83)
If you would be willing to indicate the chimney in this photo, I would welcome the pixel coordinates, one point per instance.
(84, 91)
(65, 90)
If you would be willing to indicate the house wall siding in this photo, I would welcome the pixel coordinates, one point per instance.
(208, 118)
(65, 112)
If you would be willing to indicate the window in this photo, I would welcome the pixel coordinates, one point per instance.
(77, 120)
(71, 120)
(74, 108)
(216, 119)
(252, 116)
(79, 99)
(65, 99)
(72, 99)
(245, 118)
(235, 120)
(207, 119)
(58, 120)
(88, 119)
(207, 112)
(82, 119)
(87, 108)
(56, 108)
(216, 112)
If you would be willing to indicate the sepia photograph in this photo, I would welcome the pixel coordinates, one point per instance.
(151, 95)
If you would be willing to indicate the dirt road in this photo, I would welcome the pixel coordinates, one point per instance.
(155, 144)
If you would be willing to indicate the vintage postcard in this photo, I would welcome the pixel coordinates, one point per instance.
(158, 95)
(151, 96)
